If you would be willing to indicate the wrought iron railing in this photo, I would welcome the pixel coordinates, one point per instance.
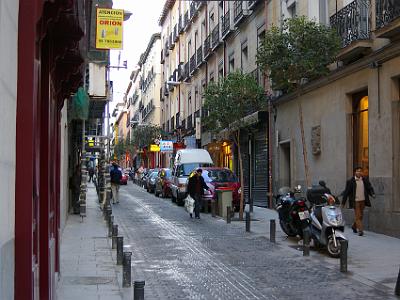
(237, 10)
(186, 19)
(175, 32)
(225, 20)
(180, 24)
(192, 63)
(386, 12)
(193, 10)
(352, 22)
(189, 122)
(171, 42)
(166, 48)
(199, 54)
(215, 36)
(207, 46)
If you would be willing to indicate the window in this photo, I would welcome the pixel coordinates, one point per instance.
(221, 69)
(360, 132)
(244, 57)
(211, 77)
(231, 65)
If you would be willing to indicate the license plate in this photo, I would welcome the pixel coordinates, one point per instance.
(304, 215)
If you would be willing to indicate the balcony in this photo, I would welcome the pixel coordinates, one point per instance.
(166, 53)
(199, 54)
(175, 35)
(181, 27)
(207, 47)
(162, 57)
(189, 122)
(186, 74)
(237, 12)
(352, 24)
(387, 19)
(192, 64)
(226, 24)
(186, 22)
(166, 92)
(171, 42)
(181, 72)
(193, 10)
(215, 41)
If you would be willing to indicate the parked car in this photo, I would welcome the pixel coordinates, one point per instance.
(163, 183)
(216, 178)
(151, 182)
(185, 161)
(124, 179)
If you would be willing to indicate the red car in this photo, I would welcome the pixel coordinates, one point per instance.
(221, 178)
(124, 179)
(163, 181)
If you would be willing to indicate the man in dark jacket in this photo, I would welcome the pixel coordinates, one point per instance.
(115, 176)
(358, 189)
(196, 186)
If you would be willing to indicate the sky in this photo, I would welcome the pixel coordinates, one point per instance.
(137, 32)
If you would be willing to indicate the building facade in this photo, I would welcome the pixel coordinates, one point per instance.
(351, 117)
(202, 42)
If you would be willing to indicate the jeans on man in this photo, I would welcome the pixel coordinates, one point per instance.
(358, 215)
(197, 205)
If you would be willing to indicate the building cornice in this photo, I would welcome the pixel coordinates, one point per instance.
(167, 6)
(153, 39)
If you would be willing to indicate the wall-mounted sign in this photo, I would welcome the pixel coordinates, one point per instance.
(154, 148)
(166, 146)
(109, 28)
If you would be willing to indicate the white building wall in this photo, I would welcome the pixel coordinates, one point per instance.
(8, 103)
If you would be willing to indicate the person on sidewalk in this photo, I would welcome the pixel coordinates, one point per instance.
(91, 173)
(358, 189)
(115, 175)
(196, 186)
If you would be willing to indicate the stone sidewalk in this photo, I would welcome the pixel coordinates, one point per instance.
(88, 266)
(373, 259)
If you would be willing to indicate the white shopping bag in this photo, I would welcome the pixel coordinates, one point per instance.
(189, 204)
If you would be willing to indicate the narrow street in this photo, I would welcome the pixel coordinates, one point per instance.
(183, 258)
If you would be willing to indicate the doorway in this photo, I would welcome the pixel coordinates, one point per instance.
(284, 165)
(360, 132)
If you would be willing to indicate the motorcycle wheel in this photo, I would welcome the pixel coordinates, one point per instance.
(332, 250)
(286, 229)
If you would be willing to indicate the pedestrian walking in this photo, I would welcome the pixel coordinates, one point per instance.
(196, 186)
(91, 173)
(358, 189)
(115, 175)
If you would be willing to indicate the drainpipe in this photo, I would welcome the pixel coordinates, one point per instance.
(267, 88)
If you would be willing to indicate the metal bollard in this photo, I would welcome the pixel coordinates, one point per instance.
(213, 206)
(272, 231)
(397, 288)
(114, 236)
(138, 290)
(306, 242)
(228, 214)
(120, 249)
(110, 226)
(126, 269)
(247, 221)
(343, 255)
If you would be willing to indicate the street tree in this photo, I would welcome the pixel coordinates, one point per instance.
(145, 134)
(299, 51)
(228, 101)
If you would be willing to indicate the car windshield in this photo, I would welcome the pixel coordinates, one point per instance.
(154, 174)
(186, 169)
(166, 173)
(219, 176)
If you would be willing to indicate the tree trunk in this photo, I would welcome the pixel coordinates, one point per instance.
(241, 176)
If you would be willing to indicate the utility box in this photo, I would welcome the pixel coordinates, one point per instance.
(224, 200)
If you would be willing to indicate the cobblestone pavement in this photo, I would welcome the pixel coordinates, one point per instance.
(183, 258)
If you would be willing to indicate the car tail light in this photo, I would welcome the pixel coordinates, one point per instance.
(300, 203)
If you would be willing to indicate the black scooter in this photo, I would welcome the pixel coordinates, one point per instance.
(293, 211)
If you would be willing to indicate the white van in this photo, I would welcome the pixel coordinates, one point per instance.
(186, 160)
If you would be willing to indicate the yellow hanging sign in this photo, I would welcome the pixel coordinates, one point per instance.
(109, 28)
(154, 148)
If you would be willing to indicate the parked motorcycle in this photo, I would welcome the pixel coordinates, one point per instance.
(327, 222)
(293, 211)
